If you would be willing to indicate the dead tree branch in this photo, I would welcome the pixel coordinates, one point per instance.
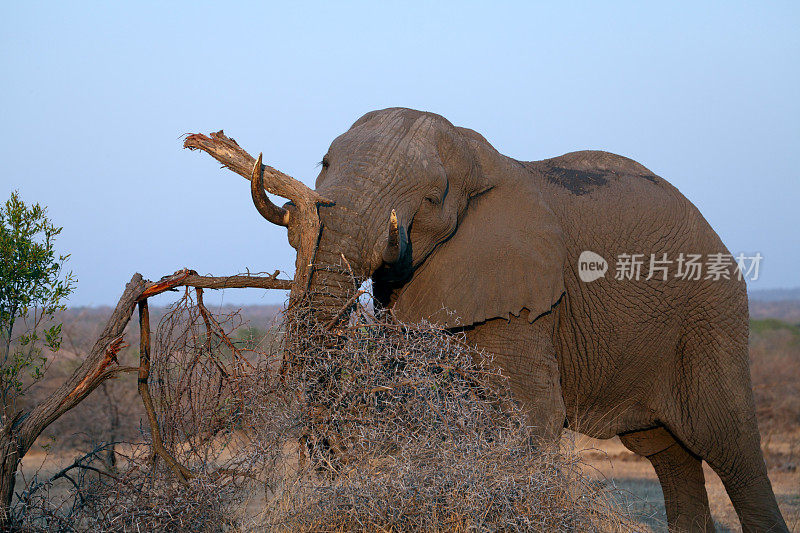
(300, 216)
(190, 278)
(19, 433)
(98, 366)
(234, 157)
(144, 374)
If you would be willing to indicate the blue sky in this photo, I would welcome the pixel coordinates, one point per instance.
(96, 97)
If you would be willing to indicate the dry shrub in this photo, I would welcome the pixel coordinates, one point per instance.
(140, 496)
(375, 426)
(141, 502)
(408, 429)
(775, 369)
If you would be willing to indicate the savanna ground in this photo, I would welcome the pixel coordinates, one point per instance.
(114, 413)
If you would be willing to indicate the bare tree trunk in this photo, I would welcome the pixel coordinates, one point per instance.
(19, 434)
(113, 427)
(9, 460)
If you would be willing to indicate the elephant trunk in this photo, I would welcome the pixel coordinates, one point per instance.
(331, 292)
(333, 279)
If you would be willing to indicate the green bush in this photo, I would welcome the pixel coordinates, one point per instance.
(33, 287)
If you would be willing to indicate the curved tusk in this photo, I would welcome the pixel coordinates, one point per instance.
(273, 213)
(392, 252)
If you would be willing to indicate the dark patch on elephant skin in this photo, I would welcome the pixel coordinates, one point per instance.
(578, 182)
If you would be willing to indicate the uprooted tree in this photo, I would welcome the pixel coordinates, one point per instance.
(397, 427)
(377, 425)
(21, 429)
(100, 364)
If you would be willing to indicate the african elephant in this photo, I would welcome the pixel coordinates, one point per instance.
(452, 231)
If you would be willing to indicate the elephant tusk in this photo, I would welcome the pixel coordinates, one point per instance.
(273, 213)
(392, 252)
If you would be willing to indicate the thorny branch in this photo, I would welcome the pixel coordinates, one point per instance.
(21, 431)
(81, 462)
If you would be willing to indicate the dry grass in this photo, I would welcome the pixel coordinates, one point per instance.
(775, 356)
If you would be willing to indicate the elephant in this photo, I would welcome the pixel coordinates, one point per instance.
(451, 231)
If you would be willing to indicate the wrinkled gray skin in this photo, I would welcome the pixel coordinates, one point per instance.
(495, 242)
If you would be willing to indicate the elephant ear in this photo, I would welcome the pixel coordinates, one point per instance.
(506, 255)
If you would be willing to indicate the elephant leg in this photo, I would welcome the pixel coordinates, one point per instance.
(681, 476)
(715, 418)
(736, 457)
(525, 354)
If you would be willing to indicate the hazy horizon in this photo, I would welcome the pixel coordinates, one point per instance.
(97, 99)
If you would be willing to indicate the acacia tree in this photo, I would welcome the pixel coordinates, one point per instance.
(33, 287)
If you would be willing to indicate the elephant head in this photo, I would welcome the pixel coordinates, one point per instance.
(448, 229)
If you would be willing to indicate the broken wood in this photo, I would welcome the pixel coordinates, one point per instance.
(303, 217)
(21, 432)
(159, 450)
(18, 433)
(232, 156)
(189, 278)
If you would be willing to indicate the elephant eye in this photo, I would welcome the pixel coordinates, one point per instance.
(324, 162)
(433, 200)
